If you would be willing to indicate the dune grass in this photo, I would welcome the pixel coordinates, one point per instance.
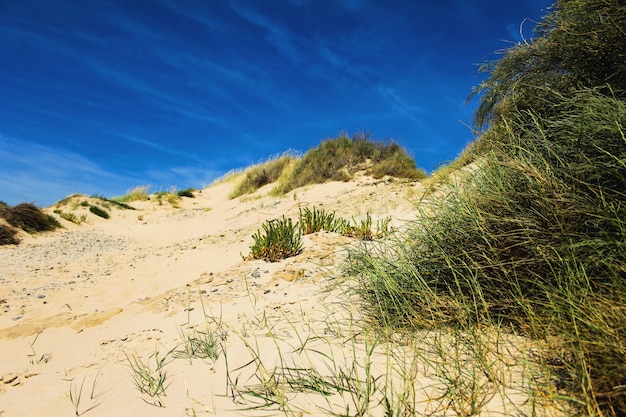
(262, 174)
(335, 159)
(28, 217)
(338, 159)
(139, 193)
(532, 243)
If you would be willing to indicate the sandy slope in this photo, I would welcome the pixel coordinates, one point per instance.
(81, 304)
(76, 303)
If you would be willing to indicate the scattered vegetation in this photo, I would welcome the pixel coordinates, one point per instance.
(281, 238)
(76, 396)
(188, 192)
(71, 217)
(333, 160)
(149, 381)
(171, 197)
(202, 344)
(107, 203)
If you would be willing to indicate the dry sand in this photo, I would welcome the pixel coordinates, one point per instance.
(76, 304)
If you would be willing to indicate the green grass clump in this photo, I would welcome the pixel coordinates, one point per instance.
(139, 193)
(107, 202)
(262, 174)
(318, 220)
(280, 239)
(7, 235)
(29, 218)
(188, 192)
(338, 159)
(99, 212)
(533, 241)
(171, 197)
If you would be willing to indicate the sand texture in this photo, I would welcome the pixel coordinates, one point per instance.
(83, 305)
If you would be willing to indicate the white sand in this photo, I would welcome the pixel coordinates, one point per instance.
(77, 303)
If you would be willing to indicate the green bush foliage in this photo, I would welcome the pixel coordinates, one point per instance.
(338, 159)
(318, 220)
(187, 193)
(7, 235)
(579, 44)
(99, 212)
(280, 239)
(29, 218)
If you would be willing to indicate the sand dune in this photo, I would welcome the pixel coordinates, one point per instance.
(95, 315)
(78, 303)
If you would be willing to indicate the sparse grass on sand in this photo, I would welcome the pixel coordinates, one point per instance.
(139, 193)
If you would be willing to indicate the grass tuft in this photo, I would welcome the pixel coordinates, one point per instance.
(8, 235)
(29, 218)
(338, 159)
(262, 174)
(280, 239)
(139, 193)
(99, 212)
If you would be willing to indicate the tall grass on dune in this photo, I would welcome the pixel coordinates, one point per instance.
(262, 174)
(338, 159)
(533, 243)
(28, 217)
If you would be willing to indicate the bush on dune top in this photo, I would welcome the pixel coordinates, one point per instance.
(338, 159)
(333, 160)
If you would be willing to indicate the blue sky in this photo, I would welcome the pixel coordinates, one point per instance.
(99, 96)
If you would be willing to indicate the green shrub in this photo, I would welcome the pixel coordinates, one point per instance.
(187, 193)
(338, 159)
(394, 162)
(99, 212)
(29, 218)
(7, 235)
(279, 239)
(315, 220)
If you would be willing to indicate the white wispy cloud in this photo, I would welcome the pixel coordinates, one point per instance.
(44, 174)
